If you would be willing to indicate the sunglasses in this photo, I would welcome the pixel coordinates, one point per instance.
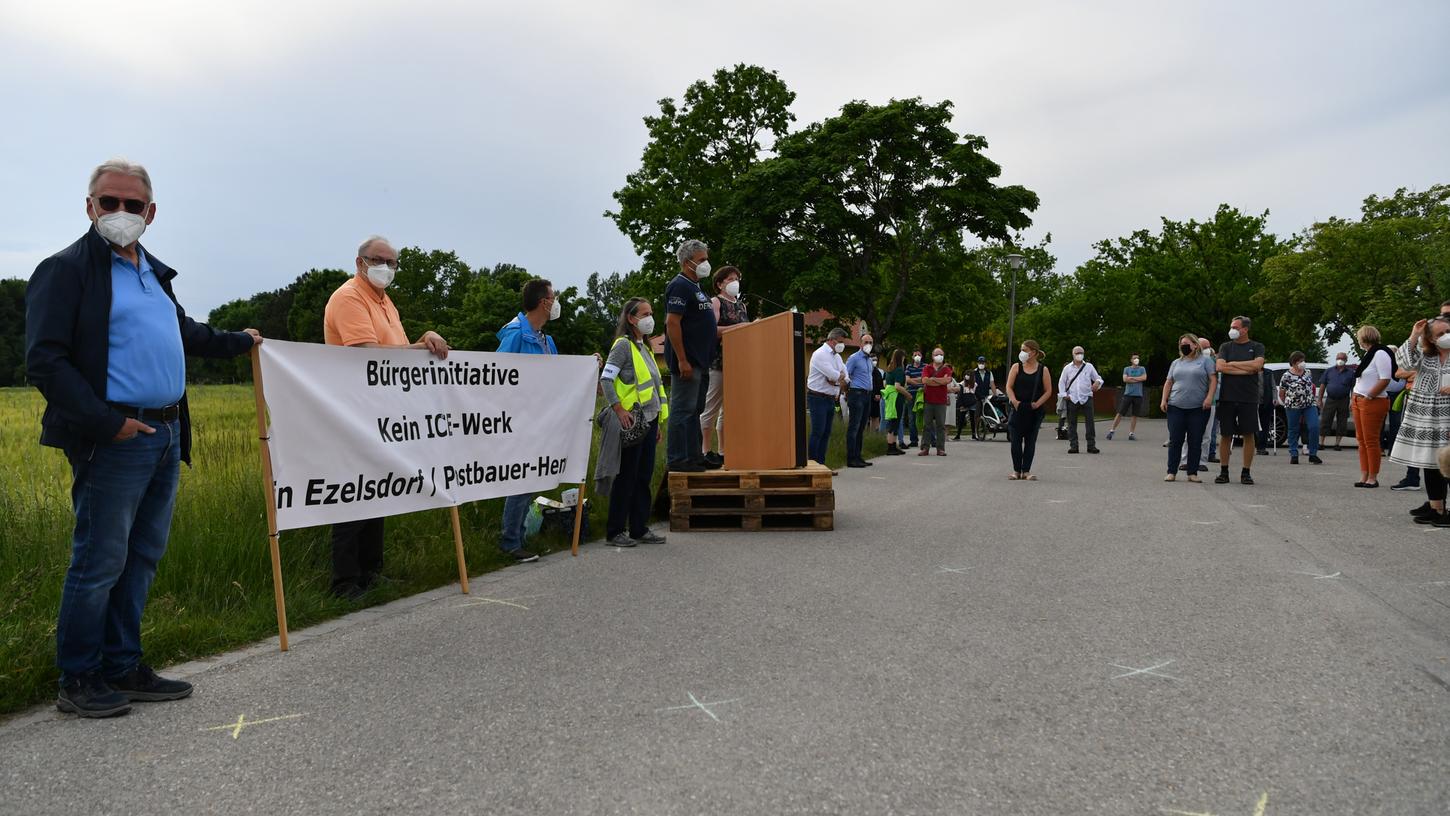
(134, 206)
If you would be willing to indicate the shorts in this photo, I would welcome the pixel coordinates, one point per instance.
(1133, 401)
(1238, 418)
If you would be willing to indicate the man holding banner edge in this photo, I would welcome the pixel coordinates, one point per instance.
(360, 314)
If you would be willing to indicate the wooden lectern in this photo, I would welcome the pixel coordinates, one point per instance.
(765, 393)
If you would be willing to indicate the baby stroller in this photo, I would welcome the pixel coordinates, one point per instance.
(996, 412)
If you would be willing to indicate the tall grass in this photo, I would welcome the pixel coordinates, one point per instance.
(213, 590)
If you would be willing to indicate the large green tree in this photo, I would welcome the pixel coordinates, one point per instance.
(864, 215)
(310, 293)
(1388, 269)
(698, 148)
(12, 332)
(1139, 293)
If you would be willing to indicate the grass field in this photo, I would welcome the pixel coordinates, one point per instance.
(213, 591)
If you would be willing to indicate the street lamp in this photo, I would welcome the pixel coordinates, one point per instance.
(1015, 261)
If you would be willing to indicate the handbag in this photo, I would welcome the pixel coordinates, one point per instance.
(636, 432)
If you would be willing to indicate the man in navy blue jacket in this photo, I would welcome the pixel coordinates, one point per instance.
(106, 344)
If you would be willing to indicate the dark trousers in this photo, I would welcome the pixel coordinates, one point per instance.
(1022, 431)
(629, 501)
(1185, 423)
(357, 552)
(859, 403)
(1266, 422)
(1434, 484)
(1086, 412)
(908, 422)
(822, 411)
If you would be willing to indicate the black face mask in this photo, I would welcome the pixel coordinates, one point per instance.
(1186, 349)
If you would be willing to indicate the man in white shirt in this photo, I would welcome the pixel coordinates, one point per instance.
(1079, 381)
(824, 384)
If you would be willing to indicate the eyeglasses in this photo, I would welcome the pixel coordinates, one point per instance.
(134, 206)
(391, 263)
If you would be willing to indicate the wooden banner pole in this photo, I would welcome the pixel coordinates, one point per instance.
(268, 493)
(579, 517)
(458, 545)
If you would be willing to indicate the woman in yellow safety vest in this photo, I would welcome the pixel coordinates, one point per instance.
(631, 381)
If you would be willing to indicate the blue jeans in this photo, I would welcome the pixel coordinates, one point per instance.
(860, 404)
(908, 421)
(123, 498)
(822, 411)
(1185, 422)
(1310, 416)
(687, 402)
(515, 513)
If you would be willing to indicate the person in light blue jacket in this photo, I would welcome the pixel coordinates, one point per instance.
(525, 335)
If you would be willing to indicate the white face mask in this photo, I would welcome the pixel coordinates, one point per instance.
(1443, 341)
(646, 325)
(733, 288)
(121, 228)
(702, 270)
(555, 310)
(1208, 352)
(1339, 363)
(916, 358)
(1234, 334)
(381, 276)
(937, 358)
(866, 348)
(1023, 356)
(1135, 361)
(1077, 357)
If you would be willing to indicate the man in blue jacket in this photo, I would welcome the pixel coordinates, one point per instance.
(106, 344)
(525, 335)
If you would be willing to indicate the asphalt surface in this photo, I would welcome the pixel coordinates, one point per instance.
(1095, 642)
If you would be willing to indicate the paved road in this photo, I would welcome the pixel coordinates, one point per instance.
(1097, 642)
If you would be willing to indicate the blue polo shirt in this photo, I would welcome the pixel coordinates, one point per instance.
(146, 366)
(858, 368)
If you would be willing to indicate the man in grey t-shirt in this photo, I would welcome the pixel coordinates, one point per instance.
(1132, 403)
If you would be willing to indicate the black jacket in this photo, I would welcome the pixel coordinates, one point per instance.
(67, 345)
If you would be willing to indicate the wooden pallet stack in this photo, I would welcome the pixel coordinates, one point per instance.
(796, 499)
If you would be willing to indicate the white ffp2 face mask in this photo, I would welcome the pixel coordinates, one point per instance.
(121, 228)
(555, 310)
(1443, 341)
(702, 270)
(866, 348)
(1077, 357)
(381, 275)
(1023, 356)
(646, 325)
(937, 358)
(1234, 334)
(733, 288)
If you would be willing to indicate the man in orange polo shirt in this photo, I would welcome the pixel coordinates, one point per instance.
(361, 314)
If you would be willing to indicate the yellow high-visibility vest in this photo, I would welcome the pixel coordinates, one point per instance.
(643, 389)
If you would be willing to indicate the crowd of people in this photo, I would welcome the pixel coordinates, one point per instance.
(106, 342)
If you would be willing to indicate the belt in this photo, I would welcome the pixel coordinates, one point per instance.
(819, 394)
(169, 413)
(860, 390)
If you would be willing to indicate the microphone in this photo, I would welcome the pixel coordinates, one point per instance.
(773, 303)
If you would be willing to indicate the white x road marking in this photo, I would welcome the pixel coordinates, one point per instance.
(1130, 671)
(1316, 576)
(480, 601)
(955, 569)
(705, 707)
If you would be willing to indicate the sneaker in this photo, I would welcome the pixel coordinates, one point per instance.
(712, 456)
(1423, 510)
(348, 591)
(651, 537)
(1315, 460)
(708, 464)
(142, 685)
(854, 464)
(1221, 478)
(1429, 519)
(522, 555)
(1092, 449)
(1293, 460)
(1110, 436)
(1213, 459)
(1404, 486)
(1246, 479)
(686, 467)
(924, 452)
(1072, 450)
(1132, 437)
(90, 696)
(622, 540)
(1442, 521)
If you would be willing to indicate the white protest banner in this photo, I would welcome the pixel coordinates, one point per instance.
(360, 433)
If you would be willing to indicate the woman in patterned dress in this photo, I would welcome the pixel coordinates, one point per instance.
(1296, 392)
(1426, 428)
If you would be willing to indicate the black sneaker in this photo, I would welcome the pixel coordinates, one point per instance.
(855, 464)
(1423, 510)
(1293, 460)
(522, 555)
(686, 467)
(1221, 478)
(1072, 450)
(90, 696)
(1213, 460)
(707, 464)
(1245, 478)
(142, 685)
(1092, 449)
(1442, 520)
(1404, 486)
(1315, 460)
(715, 458)
(1429, 519)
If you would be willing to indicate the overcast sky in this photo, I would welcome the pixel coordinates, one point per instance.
(280, 132)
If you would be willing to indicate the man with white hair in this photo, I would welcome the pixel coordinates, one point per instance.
(106, 344)
(360, 314)
(1078, 383)
(690, 339)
